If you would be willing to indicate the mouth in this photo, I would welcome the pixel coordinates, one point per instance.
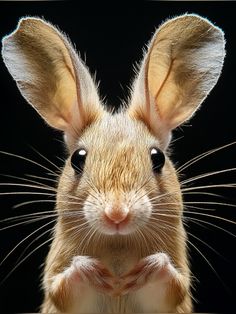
(123, 227)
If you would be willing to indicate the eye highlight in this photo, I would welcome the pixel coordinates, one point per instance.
(78, 160)
(158, 159)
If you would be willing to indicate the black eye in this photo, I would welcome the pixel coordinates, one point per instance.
(158, 159)
(78, 160)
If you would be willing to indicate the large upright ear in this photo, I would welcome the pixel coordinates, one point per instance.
(182, 65)
(51, 76)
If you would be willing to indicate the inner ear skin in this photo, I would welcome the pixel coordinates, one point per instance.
(61, 89)
(182, 64)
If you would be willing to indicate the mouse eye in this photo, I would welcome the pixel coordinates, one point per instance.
(78, 160)
(158, 159)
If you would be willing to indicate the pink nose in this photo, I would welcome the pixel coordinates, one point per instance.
(116, 214)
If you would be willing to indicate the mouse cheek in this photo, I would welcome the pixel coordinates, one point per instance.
(142, 210)
(90, 212)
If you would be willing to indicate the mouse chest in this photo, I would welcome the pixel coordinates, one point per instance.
(148, 299)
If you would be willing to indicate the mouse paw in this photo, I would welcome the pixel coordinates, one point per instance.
(83, 271)
(151, 268)
(90, 271)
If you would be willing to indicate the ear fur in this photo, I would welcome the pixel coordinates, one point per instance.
(51, 76)
(182, 64)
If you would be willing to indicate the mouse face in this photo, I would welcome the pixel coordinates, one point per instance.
(120, 178)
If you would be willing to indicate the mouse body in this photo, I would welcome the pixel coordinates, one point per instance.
(117, 247)
(119, 244)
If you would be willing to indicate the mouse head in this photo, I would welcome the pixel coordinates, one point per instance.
(118, 175)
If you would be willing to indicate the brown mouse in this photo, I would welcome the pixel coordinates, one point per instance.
(119, 242)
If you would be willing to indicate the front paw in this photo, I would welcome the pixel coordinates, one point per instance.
(85, 271)
(150, 269)
(90, 271)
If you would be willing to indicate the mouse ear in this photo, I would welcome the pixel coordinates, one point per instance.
(181, 66)
(51, 76)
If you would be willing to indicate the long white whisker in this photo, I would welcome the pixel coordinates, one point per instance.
(210, 216)
(206, 175)
(45, 158)
(29, 186)
(212, 203)
(26, 222)
(36, 239)
(226, 185)
(27, 237)
(28, 255)
(41, 178)
(26, 180)
(206, 244)
(200, 214)
(47, 201)
(195, 220)
(203, 193)
(27, 193)
(51, 213)
(28, 160)
(201, 156)
(207, 261)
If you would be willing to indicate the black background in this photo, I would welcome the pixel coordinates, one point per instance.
(112, 38)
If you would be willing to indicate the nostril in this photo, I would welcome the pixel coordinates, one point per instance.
(116, 214)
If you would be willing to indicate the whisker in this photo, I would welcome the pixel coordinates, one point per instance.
(45, 158)
(226, 185)
(195, 220)
(81, 245)
(200, 214)
(211, 216)
(52, 213)
(89, 239)
(28, 160)
(136, 197)
(146, 181)
(176, 139)
(199, 208)
(196, 202)
(206, 175)
(201, 156)
(25, 180)
(34, 240)
(206, 244)
(37, 193)
(48, 201)
(28, 255)
(29, 186)
(143, 237)
(26, 238)
(207, 261)
(212, 203)
(168, 225)
(203, 193)
(19, 217)
(27, 193)
(33, 202)
(42, 178)
(177, 191)
(26, 222)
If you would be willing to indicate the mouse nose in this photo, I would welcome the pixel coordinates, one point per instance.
(116, 214)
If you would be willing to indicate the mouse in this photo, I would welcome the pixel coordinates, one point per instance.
(119, 243)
